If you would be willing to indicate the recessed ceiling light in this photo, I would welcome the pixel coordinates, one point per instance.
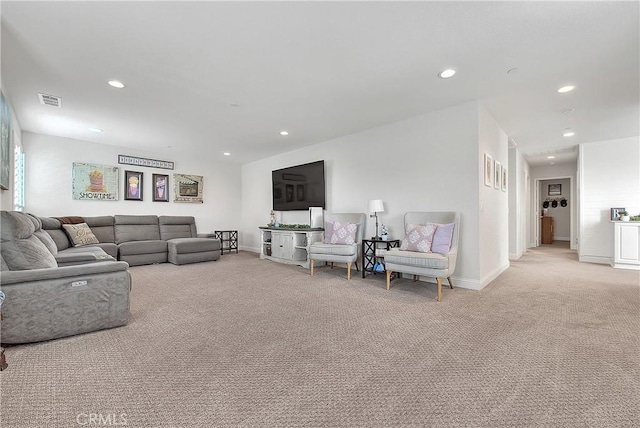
(445, 74)
(566, 89)
(284, 132)
(97, 130)
(227, 154)
(116, 84)
(552, 163)
(568, 133)
(551, 157)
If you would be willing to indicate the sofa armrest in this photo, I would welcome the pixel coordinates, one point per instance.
(18, 276)
(206, 235)
(71, 259)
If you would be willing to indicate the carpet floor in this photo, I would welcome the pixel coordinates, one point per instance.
(247, 342)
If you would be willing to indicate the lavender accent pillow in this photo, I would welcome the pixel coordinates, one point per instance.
(442, 238)
(328, 231)
(343, 233)
(418, 237)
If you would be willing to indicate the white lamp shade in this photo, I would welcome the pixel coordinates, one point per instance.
(376, 206)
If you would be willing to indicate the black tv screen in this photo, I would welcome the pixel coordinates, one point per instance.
(298, 187)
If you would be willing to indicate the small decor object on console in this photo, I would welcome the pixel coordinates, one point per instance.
(615, 213)
(384, 234)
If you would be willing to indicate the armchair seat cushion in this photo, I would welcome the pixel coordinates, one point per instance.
(417, 259)
(142, 247)
(333, 249)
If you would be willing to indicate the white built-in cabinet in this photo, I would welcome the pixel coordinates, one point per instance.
(288, 245)
(626, 238)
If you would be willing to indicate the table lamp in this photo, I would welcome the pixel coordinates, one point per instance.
(375, 207)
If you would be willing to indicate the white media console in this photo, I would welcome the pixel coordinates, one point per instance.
(288, 245)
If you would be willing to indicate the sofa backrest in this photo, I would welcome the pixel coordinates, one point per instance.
(173, 226)
(54, 228)
(20, 249)
(103, 227)
(136, 228)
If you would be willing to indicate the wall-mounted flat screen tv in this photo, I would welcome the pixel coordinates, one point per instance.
(299, 187)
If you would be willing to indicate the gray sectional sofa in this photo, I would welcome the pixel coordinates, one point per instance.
(54, 289)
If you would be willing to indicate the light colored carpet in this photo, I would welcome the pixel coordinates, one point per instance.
(247, 342)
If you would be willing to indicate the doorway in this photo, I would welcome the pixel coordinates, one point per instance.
(555, 198)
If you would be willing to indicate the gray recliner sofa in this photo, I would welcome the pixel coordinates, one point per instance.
(47, 295)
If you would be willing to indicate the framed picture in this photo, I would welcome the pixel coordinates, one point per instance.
(5, 156)
(160, 186)
(555, 189)
(152, 163)
(488, 171)
(504, 178)
(188, 188)
(133, 185)
(94, 182)
(497, 175)
(615, 213)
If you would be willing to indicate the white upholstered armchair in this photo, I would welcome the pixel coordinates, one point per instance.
(440, 263)
(341, 245)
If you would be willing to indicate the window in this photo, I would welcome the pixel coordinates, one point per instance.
(18, 190)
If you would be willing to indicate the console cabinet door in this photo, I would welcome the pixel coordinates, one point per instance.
(282, 245)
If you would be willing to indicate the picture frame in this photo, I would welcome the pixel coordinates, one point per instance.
(488, 171)
(133, 185)
(94, 182)
(188, 188)
(615, 213)
(555, 190)
(505, 176)
(151, 163)
(160, 187)
(497, 175)
(5, 143)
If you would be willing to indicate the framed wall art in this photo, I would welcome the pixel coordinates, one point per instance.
(555, 189)
(488, 169)
(188, 188)
(94, 182)
(152, 163)
(504, 178)
(160, 187)
(133, 185)
(497, 174)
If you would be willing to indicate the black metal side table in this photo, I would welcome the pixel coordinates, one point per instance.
(228, 240)
(369, 257)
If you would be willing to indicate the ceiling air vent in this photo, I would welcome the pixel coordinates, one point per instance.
(50, 100)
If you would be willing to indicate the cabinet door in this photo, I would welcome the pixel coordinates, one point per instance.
(282, 245)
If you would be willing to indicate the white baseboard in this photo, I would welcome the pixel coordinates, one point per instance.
(561, 238)
(514, 256)
(469, 284)
(250, 249)
(596, 259)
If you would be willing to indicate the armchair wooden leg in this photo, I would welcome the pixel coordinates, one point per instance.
(388, 278)
(439, 292)
(331, 265)
(415, 278)
(348, 271)
(311, 266)
(450, 282)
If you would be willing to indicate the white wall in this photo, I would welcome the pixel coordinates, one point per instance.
(48, 182)
(519, 203)
(494, 203)
(561, 215)
(609, 178)
(543, 172)
(427, 163)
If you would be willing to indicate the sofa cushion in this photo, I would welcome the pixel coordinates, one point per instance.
(136, 228)
(333, 249)
(80, 234)
(417, 259)
(192, 245)
(102, 227)
(418, 237)
(142, 247)
(21, 250)
(173, 226)
(42, 235)
(54, 228)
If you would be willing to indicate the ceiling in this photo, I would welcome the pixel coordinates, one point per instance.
(214, 77)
